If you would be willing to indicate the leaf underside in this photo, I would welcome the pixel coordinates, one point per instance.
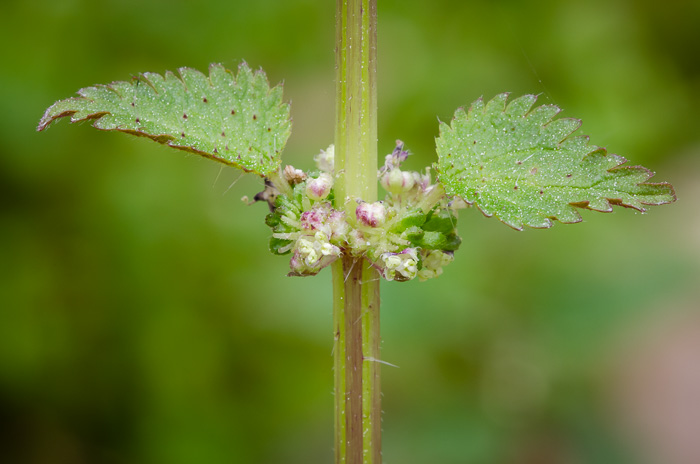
(525, 167)
(237, 120)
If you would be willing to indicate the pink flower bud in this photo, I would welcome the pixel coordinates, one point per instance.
(320, 187)
(313, 219)
(371, 214)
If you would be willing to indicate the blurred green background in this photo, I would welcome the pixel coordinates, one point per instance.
(143, 321)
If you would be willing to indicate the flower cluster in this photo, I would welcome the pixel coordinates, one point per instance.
(314, 235)
(410, 234)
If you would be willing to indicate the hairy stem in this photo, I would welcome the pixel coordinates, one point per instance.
(356, 356)
(355, 282)
(356, 103)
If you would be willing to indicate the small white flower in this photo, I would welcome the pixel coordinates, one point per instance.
(312, 253)
(400, 266)
(326, 159)
(392, 262)
(328, 249)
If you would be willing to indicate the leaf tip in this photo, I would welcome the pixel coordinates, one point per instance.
(45, 120)
(49, 116)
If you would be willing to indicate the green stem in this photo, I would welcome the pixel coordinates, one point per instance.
(356, 102)
(356, 361)
(432, 198)
(355, 282)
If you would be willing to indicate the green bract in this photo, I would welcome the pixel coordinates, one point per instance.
(237, 120)
(525, 167)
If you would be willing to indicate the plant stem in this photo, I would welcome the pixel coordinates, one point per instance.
(356, 102)
(355, 282)
(356, 350)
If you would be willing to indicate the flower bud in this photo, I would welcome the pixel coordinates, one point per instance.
(371, 214)
(433, 262)
(314, 219)
(326, 159)
(338, 227)
(320, 187)
(311, 254)
(397, 181)
(359, 243)
(395, 159)
(400, 266)
(423, 180)
(293, 175)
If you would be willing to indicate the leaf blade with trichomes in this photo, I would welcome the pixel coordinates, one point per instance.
(525, 167)
(237, 120)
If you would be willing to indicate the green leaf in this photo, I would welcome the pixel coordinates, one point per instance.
(525, 167)
(237, 120)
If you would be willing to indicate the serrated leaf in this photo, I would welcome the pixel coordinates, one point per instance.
(525, 167)
(237, 120)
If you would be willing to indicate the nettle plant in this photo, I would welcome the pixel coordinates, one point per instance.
(509, 159)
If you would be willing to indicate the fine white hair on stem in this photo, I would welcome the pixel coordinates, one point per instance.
(371, 359)
(349, 270)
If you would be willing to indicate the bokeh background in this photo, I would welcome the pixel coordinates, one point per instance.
(143, 321)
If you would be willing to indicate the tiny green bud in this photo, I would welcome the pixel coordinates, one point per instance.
(415, 218)
(279, 246)
(452, 242)
(414, 234)
(272, 220)
(440, 221)
(397, 181)
(433, 262)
